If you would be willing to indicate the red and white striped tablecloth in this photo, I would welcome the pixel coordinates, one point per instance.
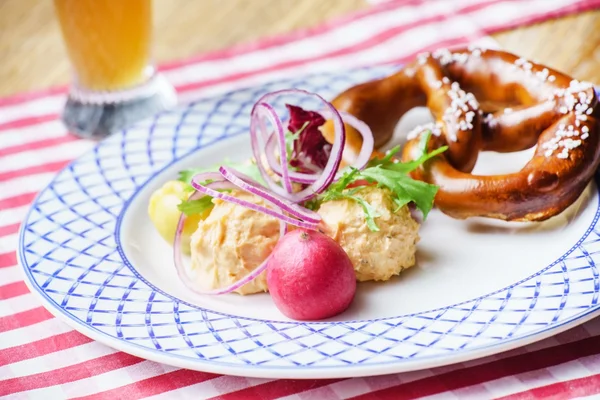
(41, 357)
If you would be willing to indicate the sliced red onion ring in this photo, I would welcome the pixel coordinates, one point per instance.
(275, 165)
(266, 110)
(180, 267)
(257, 131)
(368, 142)
(238, 179)
(330, 170)
(265, 210)
(242, 176)
(283, 200)
(207, 176)
(360, 161)
(248, 278)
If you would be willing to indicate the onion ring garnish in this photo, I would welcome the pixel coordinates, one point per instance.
(252, 206)
(179, 264)
(238, 179)
(368, 142)
(258, 111)
(283, 203)
(298, 177)
(330, 170)
(177, 259)
(360, 162)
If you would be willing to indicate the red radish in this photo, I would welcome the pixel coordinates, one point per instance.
(310, 276)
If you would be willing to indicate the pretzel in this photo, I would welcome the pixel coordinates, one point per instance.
(487, 100)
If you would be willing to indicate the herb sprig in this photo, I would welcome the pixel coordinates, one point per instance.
(199, 206)
(291, 137)
(246, 168)
(383, 172)
(193, 207)
(386, 173)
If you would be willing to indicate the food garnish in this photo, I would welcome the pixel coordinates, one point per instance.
(164, 212)
(310, 276)
(294, 172)
(199, 206)
(272, 147)
(308, 150)
(342, 214)
(385, 172)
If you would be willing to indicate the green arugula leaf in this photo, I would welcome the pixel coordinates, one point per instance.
(192, 207)
(392, 175)
(291, 137)
(425, 136)
(412, 165)
(421, 193)
(405, 188)
(336, 188)
(386, 159)
(406, 167)
(370, 212)
(400, 202)
(312, 204)
(391, 153)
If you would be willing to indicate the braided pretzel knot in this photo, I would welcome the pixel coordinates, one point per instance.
(487, 100)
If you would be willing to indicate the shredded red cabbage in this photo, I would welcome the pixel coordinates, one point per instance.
(310, 148)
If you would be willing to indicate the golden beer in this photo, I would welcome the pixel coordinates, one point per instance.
(108, 41)
(114, 82)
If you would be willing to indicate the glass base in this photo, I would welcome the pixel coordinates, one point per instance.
(96, 115)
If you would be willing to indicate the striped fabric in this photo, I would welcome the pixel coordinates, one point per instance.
(41, 357)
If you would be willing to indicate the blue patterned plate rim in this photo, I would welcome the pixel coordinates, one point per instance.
(127, 262)
(314, 369)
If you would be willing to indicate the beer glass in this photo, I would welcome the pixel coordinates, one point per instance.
(114, 80)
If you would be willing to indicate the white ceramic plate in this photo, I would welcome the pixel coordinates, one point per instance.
(89, 251)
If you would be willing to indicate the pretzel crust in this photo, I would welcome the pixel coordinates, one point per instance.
(487, 100)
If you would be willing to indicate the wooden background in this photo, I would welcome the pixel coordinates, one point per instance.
(32, 55)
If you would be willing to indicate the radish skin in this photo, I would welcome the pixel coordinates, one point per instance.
(310, 276)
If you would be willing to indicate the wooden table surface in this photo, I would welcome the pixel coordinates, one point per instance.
(32, 55)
